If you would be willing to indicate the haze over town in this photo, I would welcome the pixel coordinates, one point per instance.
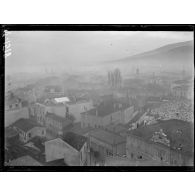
(99, 98)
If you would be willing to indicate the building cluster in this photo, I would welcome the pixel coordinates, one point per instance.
(75, 129)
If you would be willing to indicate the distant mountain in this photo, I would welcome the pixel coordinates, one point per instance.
(169, 57)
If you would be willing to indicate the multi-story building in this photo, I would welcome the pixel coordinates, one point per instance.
(107, 113)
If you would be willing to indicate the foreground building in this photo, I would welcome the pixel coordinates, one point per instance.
(169, 142)
(72, 148)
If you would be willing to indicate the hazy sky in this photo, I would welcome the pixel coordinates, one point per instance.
(37, 50)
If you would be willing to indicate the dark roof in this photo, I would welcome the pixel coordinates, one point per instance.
(106, 108)
(170, 128)
(107, 136)
(60, 119)
(75, 140)
(24, 124)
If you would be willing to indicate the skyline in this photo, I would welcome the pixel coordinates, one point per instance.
(35, 50)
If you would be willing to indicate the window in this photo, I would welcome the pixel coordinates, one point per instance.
(140, 157)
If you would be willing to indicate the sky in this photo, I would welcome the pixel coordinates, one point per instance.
(35, 51)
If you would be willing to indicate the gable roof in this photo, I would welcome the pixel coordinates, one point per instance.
(24, 124)
(75, 140)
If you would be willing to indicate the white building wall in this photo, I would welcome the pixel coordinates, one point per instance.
(58, 149)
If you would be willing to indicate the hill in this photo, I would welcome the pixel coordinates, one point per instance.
(170, 57)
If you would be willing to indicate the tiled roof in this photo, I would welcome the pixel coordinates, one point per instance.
(107, 136)
(75, 140)
(24, 124)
